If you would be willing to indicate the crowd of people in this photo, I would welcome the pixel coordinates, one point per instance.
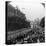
(36, 35)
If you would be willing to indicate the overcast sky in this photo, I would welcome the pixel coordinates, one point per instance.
(32, 9)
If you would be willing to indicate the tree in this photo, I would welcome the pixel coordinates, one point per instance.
(42, 23)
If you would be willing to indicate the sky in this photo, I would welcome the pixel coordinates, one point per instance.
(31, 9)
